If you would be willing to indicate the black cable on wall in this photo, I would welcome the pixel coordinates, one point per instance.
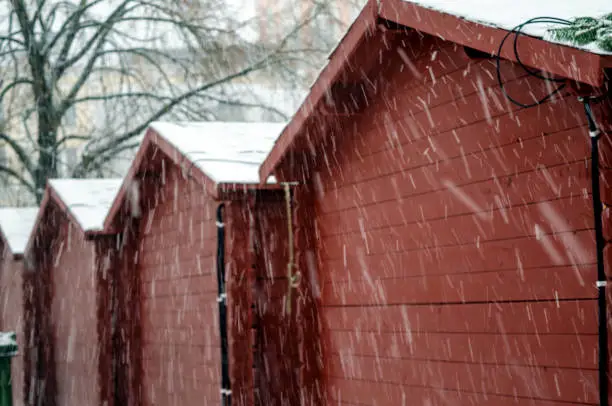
(594, 135)
(226, 392)
(600, 243)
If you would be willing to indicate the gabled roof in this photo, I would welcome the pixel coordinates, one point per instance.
(15, 227)
(471, 23)
(224, 154)
(85, 201)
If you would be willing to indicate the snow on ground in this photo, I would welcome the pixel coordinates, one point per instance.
(88, 200)
(507, 14)
(226, 152)
(16, 225)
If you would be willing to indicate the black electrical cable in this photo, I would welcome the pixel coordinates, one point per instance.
(537, 20)
(226, 392)
(594, 134)
(600, 244)
(517, 31)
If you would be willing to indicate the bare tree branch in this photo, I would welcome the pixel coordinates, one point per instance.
(19, 151)
(69, 29)
(14, 83)
(166, 108)
(93, 74)
(11, 173)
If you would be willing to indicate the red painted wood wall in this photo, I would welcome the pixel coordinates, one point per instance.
(40, 384)
(240, 278)
(276, 366)
(176, 267)
(67, 351)
(266, 366)
(454, 239)
(180, 332)
(29, 335)
(106, 278)
(274, 349)
(73, 313)
(11, 294)
(125, 296)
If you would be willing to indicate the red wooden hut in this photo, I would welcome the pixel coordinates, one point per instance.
(15, 227)
(72, 286)
(454, 230)
(208, 249)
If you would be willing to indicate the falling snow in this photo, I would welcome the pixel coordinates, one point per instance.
(411, 236)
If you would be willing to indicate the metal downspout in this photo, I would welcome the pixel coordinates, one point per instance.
(595, 134)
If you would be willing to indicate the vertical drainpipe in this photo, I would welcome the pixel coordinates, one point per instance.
(595, 134)
(226, 392)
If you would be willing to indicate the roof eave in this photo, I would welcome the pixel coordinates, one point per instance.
(153, 138)
(234, 190)
(572, 63)
(38, 220)
(562, 60)
(49, 196)
(127, 181)
(337, 63)
(98, 234)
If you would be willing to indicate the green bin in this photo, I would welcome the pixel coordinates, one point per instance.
(8, 349)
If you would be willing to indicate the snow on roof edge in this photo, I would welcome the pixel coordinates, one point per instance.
(17, 235)
(87, 200)
(476, 11)
(226, 152)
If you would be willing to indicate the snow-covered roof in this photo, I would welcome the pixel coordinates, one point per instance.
(88, 200)
(16, 225)
(508, 14)
(225, 152)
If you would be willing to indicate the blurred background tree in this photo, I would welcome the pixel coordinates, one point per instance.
(82, 80)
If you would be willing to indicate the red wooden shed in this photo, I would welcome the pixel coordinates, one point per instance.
(72, 287)
(15, 227)
(209, 278)
(454, 231)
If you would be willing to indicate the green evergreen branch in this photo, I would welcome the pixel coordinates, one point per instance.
(586, 30)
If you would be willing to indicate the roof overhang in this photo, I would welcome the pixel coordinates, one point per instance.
(564, 61)
(338, 63)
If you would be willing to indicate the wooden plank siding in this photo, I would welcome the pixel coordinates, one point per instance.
(277, 364)
(455, 240)
(74, 317)
(180, 326)
(240, 279)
